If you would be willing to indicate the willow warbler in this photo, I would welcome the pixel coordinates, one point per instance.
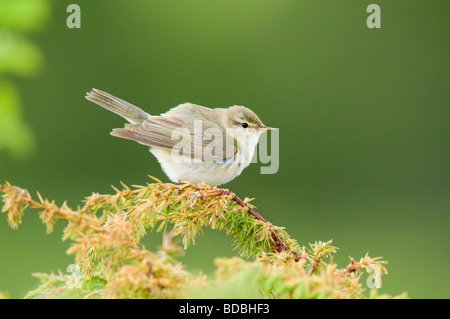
(192, 143)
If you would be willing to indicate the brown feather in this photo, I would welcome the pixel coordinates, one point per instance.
(175, 131)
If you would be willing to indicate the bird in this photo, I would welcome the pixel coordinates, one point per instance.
(193, 144)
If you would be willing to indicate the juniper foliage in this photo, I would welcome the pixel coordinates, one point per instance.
(110, 261)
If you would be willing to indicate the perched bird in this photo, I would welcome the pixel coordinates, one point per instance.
(192, 143)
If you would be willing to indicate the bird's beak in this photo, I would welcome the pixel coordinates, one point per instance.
(266, 128)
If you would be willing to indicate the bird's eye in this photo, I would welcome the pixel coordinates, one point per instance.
(244, 125)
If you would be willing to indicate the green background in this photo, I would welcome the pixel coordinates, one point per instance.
(363, 116)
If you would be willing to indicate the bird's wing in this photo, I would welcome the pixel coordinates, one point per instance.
(199, 139)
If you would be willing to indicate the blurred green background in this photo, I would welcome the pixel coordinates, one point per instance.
(363, 117)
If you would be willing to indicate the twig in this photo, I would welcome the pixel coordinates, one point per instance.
(280, 246)
(314, 266)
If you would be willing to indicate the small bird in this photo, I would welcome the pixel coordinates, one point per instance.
(192, 143)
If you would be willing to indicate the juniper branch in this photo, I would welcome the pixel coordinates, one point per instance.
(280, 246)
(105, 236)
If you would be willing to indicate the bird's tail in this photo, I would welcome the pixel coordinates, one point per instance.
(128, 111)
